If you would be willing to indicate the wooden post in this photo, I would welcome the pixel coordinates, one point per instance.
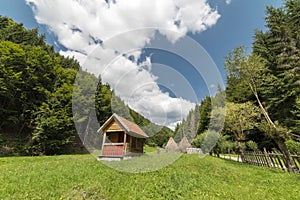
(296, 160)
(258, 159)
(124, 143)
(255, 158)
(103, 142)
(279, 161)
(263, 159)
(272, 159)
(267, 157)
(130, 142)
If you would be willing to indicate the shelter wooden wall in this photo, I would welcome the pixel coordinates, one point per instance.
(113, 126)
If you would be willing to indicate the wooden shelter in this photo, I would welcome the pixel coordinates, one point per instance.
(121, 138)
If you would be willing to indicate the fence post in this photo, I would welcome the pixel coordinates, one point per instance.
(267, 157)
(256, 159)
(278, 156)
(272, 159)
(260, 158)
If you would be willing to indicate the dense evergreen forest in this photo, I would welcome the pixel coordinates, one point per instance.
(37, 86)
(262, 93)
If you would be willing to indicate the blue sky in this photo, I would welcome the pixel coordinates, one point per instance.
(226, 26)
(236, 26)
(22, 13)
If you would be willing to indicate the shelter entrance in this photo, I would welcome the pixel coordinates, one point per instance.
(115, 137)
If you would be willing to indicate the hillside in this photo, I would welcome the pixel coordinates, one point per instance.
(37, 94)
(82, 177)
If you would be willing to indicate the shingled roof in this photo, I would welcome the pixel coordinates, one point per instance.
(129, 127)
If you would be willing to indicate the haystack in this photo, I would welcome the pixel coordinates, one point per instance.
(184, 144)
(171, 146)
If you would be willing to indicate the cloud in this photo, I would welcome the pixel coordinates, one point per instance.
(93, 32)
(228, 2)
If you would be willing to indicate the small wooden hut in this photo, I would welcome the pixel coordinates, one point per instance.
(121, 138)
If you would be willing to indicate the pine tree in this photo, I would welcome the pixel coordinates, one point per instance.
(103, 102)
(279, 46)
(205, 111)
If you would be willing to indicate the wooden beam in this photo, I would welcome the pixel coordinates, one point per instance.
(125, 143)
(130, 143)
(114, 143)
(103, 142)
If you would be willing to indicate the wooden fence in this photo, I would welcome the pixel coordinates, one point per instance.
(193, 151)
(270, 159)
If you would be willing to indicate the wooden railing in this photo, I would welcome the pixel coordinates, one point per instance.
(113, 149)
(270, 159)
(264, 158)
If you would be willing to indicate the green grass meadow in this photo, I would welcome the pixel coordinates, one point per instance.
(189, 177)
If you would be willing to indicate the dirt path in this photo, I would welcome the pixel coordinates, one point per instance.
(238, 159)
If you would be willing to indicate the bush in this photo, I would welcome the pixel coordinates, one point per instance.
(206, 141)
(224, 145)
(1, 140)
(6, 151)
(293, 146)
(252, 145)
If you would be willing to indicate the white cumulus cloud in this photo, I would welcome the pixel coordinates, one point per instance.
(93, 32)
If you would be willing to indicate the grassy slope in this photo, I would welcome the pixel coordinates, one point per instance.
(82, 177)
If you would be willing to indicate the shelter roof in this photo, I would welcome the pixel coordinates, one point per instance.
(129, 127)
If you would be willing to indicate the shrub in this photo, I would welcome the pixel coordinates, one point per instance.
(252, 145)
(6, 151)
(206, 141)
(293, 146)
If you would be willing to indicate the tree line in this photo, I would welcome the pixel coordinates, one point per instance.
(36, 96)
(262, 92)
(36, 89)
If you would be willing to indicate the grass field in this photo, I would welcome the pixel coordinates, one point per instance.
(82, 177)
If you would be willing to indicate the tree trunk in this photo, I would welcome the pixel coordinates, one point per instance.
(288, 160)
(20, 134)
(264, 111)
(86, 132)
(240, 151)
(280, 141)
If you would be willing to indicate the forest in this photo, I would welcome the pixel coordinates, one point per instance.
(262, 94)
(36, 97)
(261, 99)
